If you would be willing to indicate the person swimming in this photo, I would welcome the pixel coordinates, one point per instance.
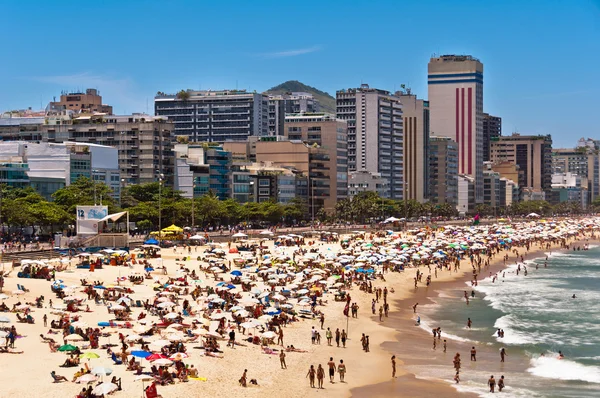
(560, 355)
(574, 296)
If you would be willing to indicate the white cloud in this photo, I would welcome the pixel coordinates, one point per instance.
(119, 92)
(291, 53)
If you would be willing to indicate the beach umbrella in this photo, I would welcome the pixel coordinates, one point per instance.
(3, 334)
(105, 388)
(178, 356)
(89, 355)
(73, 337)
(269, 335)
(4, 319)
(141, 354)
(3, 296)
(236, 273)
(162, 362)
(117, 307)
(87, 378)
(67, 347)
(101, 371)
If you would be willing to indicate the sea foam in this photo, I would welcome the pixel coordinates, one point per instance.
(563, 369)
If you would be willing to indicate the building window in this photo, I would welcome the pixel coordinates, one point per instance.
(263, 183)
(264, 191)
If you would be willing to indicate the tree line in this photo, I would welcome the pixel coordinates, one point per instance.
(24, 207)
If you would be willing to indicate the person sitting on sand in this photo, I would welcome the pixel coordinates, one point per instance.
(57, 378)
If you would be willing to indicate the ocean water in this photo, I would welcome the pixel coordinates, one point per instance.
(538, 316)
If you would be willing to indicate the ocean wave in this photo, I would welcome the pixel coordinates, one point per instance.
(426, 326)
(563, 369)
(482, 390)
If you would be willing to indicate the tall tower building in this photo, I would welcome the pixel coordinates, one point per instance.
(375, 134)
(416, 145)
(492, 128)
(456, 103)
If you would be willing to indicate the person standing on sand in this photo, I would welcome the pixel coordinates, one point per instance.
(367, 344)
(380, 313)
(337, 337)
(342, 370)
(322, 320)
(363, 341)
(445, 345)
(473, 354)
(331, 365)
(373, 306)
(492, 383)
(311, 375)
(393, 366)
(320, 376)
(280, 336)
(502, 354)
(282, 359)
(344, 337)
(329, 336)
(415, 308)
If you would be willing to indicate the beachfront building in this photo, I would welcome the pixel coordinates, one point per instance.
(48, 167)
(330, 134)
(215, 116)
(583, 161)
(466, 195)
(375, 134)
(455, 85)
(569, 187)
(533, 155)
(492, 129)
(144, 142)
(366, 181)
(443, 170)
(416, 145)
(289, 103)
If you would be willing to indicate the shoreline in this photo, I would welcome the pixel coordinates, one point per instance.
(411, 357)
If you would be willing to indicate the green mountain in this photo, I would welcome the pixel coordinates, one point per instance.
(326, 101)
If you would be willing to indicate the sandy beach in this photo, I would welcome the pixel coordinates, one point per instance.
(368, 374)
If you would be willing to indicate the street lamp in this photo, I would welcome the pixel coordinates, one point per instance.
(121, 192)
(312, 199)
(160, 180)
(193, 197)
(94, 182)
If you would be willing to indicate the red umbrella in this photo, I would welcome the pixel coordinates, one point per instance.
(154, 357)
(233, 250)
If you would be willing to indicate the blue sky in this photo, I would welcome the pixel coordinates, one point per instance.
(541, 57)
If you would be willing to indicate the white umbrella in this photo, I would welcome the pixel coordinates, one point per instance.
(101, 371)
(73, 337)
(163, 362)
(117, 307)
(239, 235)
(87, 378)
(105, 388)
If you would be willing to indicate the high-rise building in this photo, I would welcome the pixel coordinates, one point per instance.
(215, 116)
(533, 155)
(88, 102)
(282, 104)
(443, 170)
(330, 134)
(492, 128)
(375, 133)
(416, 145)
(456, 102)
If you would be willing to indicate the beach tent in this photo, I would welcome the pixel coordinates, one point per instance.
(151, 241)
(173, 229)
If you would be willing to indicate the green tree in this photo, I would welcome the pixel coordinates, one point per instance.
(82, 193)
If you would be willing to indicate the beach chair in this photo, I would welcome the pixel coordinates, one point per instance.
(21, 287)
(116, 360)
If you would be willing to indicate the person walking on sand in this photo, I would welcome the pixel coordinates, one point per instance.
(331, 365)
(502, 354)
(320, 376)
(380, 313)
(329, 336)
(282, 359)
(322, 320)
(492, 383)
(363, 340)
(501, 383)
(415, 308)
(367, 344)
(393, 366)
(473, 354)
(311, 375)
(342, 370)
(445, 345)
(337, 336)
(344, 337)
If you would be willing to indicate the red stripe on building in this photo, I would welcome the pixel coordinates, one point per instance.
(470, 131)
(457, 108)
(462, 118)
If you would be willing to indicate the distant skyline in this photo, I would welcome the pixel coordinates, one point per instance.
(541, 57)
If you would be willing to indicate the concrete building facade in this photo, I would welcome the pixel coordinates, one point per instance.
(89, 101)
(443, 170)
(533, 155)
(455, 84)
(365, 181)
(375, 133)
(282, 104)
(215, 116)
(416, 146)
(582, 161)
(330, 134)
(492, 128)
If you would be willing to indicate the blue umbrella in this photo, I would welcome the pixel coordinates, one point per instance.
(273, 311)
(236, 273)
(141, 354)
(230, 286)
(149, 269)
(151, 241)
(99, 287)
